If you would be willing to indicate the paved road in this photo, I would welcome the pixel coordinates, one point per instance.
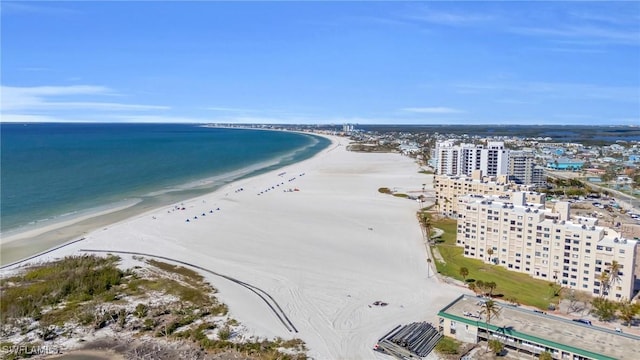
(626, 201)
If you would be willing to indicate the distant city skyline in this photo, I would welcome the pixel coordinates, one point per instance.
(519, 63)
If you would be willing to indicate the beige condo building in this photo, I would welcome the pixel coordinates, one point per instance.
(449, 188)
(545, 244)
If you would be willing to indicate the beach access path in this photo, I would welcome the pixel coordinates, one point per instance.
(317, 236)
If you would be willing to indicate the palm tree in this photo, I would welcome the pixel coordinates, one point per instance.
(489, 252)
(490, 309)
(464, 272)
(604, 283)
(614, 272)
(491, 286)
(480, 286)
(473, 287)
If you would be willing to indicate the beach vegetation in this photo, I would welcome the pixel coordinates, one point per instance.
(401, 195)
(448, 346)
(545, 355)
(627, 311)
(91, 292)
(384, 190)
(45, 287)
(604, 309)
(496, 346)
(224, 333)
(509, 284)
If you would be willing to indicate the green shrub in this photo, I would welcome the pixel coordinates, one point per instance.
(448, 346)
(224, 333)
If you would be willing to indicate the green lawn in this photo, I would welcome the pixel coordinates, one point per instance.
(527, 290)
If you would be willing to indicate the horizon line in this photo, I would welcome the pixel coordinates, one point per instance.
(307, 124)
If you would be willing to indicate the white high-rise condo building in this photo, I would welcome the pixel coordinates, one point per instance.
(463, 159)
(494, 160)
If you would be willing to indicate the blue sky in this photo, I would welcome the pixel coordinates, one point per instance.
(322, 62)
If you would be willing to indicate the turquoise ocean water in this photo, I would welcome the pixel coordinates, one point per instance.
(51, 172)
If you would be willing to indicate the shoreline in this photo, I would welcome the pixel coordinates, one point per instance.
(62, 229)
(317, 235)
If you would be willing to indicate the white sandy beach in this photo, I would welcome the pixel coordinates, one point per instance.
(325, 253)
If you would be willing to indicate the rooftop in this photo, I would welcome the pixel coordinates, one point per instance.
(553, 331)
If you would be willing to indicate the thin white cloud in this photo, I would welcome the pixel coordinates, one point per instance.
(57, 90)
(514, 101)
(449, 18)
(161, 119)
(29, 99)
(22, 7)
(104, 106)
(231, 109)
(619, 18)
(432, 110)
(556, 90)
(587, 33)
(25, 118)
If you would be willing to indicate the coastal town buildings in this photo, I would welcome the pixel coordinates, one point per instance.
(449, 188)
(548, 245)
(565, 164)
